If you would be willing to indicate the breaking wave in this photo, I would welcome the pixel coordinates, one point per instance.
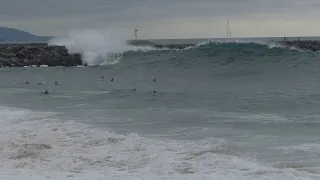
(96, 47)
(217, 54)
(111, 47)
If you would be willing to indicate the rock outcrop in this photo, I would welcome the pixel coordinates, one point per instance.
(303, 45)
(139, 43)
(19, 55)
(174, 46)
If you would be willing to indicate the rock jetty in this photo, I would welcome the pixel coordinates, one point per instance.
(308, 45)
(160, 46)
(140, 42)
(19, 55)
(173, 46)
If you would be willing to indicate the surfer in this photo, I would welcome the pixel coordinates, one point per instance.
(27, 82)
(154, 80)
(112, 80)
(154, 93)
(46, 92)
(102, 77)
(56, 83)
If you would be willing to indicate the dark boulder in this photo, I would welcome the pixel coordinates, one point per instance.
(16, 55)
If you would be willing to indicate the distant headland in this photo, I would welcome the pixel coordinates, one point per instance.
(15, 35)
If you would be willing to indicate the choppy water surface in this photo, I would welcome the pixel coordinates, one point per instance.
(220, 111)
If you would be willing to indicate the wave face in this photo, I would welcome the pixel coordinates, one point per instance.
(220, 55)
(36, 145)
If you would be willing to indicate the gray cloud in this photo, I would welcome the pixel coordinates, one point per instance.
(48, 15)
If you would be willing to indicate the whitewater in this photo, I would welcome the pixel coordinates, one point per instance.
(227, 110)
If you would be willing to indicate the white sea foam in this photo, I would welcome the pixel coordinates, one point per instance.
(308, 147)
(35, 145)
(97, 47)
(237, 41)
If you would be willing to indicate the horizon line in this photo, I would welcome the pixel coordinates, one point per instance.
(248, 37)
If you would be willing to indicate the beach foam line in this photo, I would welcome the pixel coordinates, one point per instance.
(37, 145)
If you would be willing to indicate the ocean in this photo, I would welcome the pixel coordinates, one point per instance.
(221, 110)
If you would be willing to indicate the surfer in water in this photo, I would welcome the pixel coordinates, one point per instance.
(112, 80)
(154, 80)
(56, 83)
(27, 82)
(46, 92)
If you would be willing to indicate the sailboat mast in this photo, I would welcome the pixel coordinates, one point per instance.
(228, 30)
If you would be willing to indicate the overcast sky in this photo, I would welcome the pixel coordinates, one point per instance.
(166, 18)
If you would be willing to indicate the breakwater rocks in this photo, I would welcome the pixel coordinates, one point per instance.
(160, 46)
(308, 45)
(139, 43)
(174, 46)
(19, 55)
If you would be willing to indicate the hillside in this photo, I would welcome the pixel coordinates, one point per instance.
(15, 35)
